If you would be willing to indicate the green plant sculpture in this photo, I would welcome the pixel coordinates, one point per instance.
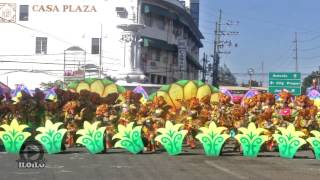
(171, 138)
(289, 141)
(51, 137)
(130, 138)
(212, 139)
(251, 140)
(315, 143)
(13, 137)
(92, 137)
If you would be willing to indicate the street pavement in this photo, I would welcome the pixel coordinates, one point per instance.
(78, 164)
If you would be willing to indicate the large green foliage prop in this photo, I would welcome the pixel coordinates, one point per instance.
(315, 143)
(50, 137)
(92, 137)
(13, 136)
(251, 140)
(103, 87)
(171, 137)
(289, 141)
(212, 139)
(129, 138)
(184, 89)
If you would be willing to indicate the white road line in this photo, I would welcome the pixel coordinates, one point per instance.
(26, 173)
(54, 166)
(64, 171)
(228, 171)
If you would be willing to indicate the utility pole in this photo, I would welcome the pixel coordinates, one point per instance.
(100, 57)
(262, 72)
(216, 51)
(218, 45)
(204, 71)
(296, 51)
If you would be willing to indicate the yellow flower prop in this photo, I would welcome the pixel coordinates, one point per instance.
(289, 141)
(13, 137)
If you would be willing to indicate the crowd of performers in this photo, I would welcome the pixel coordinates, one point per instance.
(74, 108)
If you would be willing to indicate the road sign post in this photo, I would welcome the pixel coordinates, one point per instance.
(290, 81)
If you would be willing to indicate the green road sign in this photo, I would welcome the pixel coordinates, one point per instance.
(293, 90)
(290, 81)
(284, 75)
(287, 83)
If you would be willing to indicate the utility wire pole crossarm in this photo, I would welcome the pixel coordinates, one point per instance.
(296, 51)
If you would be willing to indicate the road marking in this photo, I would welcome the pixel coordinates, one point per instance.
(228, 171)
(54, 166)
(26, 173)
(120, 167)
(76, 156)
(64, 171)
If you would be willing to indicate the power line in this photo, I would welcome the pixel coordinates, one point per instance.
(311, 39)
(32, 62)
(314, 57)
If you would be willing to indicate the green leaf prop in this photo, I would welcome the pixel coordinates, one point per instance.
(315, 143)
(212, 139)
(171, 138)
(92, 137)
(251, 140)
(289, 141)
(51, 137)
(130, 138)
(13, 137)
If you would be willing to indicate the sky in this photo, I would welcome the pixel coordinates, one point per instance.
(266, 34)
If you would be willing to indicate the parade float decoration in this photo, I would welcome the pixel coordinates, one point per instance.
(13, 136)
(251, 139)
(171, 138)
(249, 94)
(17, 93)
(129, 138)
(315, 143)
(51, 136)
(226, 92)
(212, 139)
(289, 141)
(92, 137)
(103, 87)
(142, 91)
(51, 95)
(184, 90)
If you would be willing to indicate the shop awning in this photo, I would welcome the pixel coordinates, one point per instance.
(156, 43)
(193, 61)
(148, 8)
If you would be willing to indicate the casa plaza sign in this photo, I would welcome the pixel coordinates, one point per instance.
(64, 8)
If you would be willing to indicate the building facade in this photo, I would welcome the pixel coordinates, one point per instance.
(147, 41)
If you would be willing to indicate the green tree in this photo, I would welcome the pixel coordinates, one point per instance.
(226, 78)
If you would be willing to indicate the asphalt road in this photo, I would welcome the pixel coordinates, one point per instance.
(78, 164)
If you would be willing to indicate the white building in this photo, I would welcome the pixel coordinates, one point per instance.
(46, 40)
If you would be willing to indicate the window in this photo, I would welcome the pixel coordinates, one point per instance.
(147, 20)
(41, 45)
(164, 80)
(95, 46)
(24, 13)
(159, 79)
(161, 22)
(122, 12)
(158, 54)
(153, 77)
